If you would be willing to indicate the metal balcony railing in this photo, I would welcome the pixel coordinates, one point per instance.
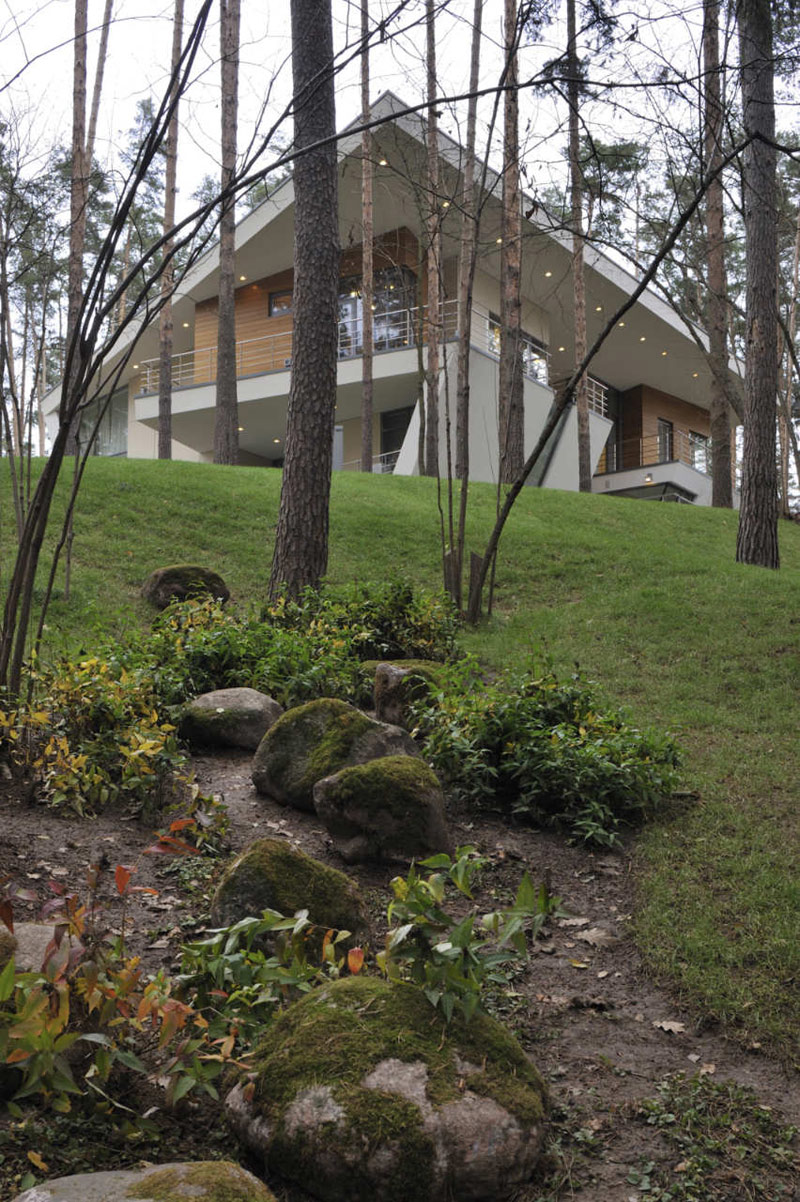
(391, 331)
(681, 446)
(273, 352)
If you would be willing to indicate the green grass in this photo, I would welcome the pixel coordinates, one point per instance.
(646, 598)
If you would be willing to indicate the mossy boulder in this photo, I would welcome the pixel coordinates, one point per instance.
(316, 740)
(182, 580)
(200, 1181)
(270, 874)
(388, 807)
(400, 682)
(228, 718)
(361, 1094)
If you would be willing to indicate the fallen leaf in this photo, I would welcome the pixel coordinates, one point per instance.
(693, 1057)
(638, 1018)
(681, 1167)
(579, 964)
(572, 922)
(602, 974)
(598, 937)
(36, 1160)
(668, 1025)
(707, 1069)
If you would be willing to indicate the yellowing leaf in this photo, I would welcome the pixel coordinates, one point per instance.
(355, 960)
(672, 1027)
(36, 1160)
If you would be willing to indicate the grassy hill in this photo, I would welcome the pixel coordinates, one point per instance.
(646, 598)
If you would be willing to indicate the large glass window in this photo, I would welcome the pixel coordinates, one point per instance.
(534, 352)
(112, 434)
(395, 296)
(665, 441)
(699, 451)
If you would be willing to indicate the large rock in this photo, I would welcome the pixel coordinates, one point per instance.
(270, 874)
(229, 718)
(391, 806)
(200, 1181)
(182, 580)
(398, 683)
(28, 946)
(360, 1095)
(316, 740)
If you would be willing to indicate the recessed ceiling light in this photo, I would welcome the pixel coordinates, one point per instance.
(135, 366)
(276, 440)
(445, 204)
(643, 339)
(186, 325)
(663, 354)
(498, 240)
(598, 308)
(695, 374)
(240, 428)
(242, 277)
(383, 162)
(621, 324)
(562, 348)
(547, 275)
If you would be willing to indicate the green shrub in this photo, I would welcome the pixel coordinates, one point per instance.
(538, 748)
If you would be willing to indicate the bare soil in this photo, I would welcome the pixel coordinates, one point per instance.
(600, 1030)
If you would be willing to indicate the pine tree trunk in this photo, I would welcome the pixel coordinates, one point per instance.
(226, 416)
(468, 255)
(716, 305)
(510, 387)
(301, 543)
(433, 324)
(79, 195)
(165, 317)
(578, 278)
(757, 541)
(367, 265)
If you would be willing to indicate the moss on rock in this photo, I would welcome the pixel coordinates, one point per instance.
(271, 874)
(182, 580)
(392, 805)
(316, 740)
(203, 1181)
(332, 1040)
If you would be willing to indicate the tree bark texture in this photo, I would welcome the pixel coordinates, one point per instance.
(578, 277)
(716, 296)
(367, 264)
(226, 414)
(510, 387)
(79, 194)
(433, 324)
(165, 317)
(757, 541)
(301, 543)
(468, 254)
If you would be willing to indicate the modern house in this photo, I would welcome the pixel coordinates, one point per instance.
(649, 384)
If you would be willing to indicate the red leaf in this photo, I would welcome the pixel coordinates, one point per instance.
(180, 824)
(7, 914)
(355, 960)
(122, 876)
(168, 846)
(142, 889)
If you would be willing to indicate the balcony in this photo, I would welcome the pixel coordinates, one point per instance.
(391, 332)
(679, 446)
(273, 352)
